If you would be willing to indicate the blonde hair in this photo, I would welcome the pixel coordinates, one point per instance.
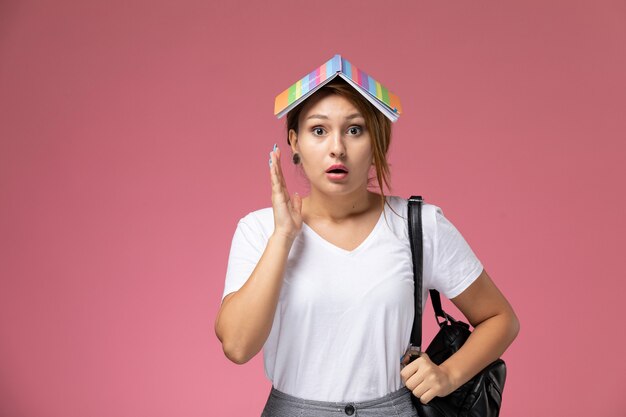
(377, 124)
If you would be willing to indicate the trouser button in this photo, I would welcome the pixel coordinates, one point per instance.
(349, 409)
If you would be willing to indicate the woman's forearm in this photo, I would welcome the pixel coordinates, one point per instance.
(487, 343)
(245, 320)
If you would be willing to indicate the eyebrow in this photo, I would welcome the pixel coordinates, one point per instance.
(321, 116)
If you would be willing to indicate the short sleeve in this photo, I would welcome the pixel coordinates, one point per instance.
(247, 246)
(455, 266)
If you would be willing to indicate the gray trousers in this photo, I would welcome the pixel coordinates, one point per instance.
(396, 404)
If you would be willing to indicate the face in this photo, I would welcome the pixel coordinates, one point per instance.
(332, 132)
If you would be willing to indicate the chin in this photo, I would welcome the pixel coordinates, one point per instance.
(340, 189)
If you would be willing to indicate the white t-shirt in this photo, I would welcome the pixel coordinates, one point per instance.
(344, 318)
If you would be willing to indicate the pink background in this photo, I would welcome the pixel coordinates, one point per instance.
(134, 135)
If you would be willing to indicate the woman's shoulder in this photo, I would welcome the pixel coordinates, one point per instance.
(399, 205)
(397, 217)
(260, 221)
(261, 214)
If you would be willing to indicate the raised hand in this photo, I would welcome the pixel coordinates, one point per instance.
(287, 210)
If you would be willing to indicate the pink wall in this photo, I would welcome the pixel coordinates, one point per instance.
(134, 135)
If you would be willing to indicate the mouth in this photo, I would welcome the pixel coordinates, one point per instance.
(337, 169)
(336, 174)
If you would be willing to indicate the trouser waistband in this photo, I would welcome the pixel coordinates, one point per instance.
(384, 400)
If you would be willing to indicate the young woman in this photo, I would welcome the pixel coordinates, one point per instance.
(324, 283)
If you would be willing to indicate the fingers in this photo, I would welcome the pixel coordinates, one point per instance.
(297, 203)
(426, 379)
(280, 168)
(275, 181)
(426, 396)
(408, 366)
(279, 187)
(422, 390)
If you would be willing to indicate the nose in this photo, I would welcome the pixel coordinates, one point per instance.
(337, 147)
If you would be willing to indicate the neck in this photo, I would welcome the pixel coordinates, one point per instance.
(337, 208)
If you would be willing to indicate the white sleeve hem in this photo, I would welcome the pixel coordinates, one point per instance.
(226, 292)
(463, 285)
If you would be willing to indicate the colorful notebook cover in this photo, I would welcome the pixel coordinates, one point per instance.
(387, 102)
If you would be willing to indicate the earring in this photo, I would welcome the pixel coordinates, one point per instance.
(296, 158)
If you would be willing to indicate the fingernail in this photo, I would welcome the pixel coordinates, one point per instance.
(270, 161)
(274, 147)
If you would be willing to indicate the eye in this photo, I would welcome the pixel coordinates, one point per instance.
(317, 129)
(358, 129)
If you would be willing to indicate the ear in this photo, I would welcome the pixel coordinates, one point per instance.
(293, 140)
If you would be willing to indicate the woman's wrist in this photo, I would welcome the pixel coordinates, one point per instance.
(282, 239)
(453, 375)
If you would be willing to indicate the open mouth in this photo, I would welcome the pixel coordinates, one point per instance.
(336, 174)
